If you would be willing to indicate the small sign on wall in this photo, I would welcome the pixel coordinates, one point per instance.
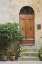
(39, 26)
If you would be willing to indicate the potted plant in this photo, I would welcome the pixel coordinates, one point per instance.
(8, 32)
(4, 54)
(19, 50)
(12, 55)
(40, 53)
(8, 50)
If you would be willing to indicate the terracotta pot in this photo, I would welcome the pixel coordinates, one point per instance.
(12, 58)
(19, 54)
(4, 58)
(41, 58)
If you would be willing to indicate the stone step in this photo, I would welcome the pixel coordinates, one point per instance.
(30, 53)
(35, 54)
(28, 46)
(30, 50)
(25, 58)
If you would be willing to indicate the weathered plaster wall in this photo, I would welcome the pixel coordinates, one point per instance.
(9, 12)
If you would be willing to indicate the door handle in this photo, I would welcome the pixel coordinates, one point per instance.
(22, 28)
(30, 28)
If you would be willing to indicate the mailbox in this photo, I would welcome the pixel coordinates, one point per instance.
(39, 26)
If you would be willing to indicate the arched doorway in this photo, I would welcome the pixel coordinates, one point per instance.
(26, 25)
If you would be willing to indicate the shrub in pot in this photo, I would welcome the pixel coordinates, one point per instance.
(4, 55)
(19, 50)
(40, 53)
(12, 55)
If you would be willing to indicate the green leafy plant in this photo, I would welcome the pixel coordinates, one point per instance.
(40, 52)
(9, 31)
(19, 48)
(18, 35)
(12, 54)
(8, 48)
(4, 53)
(5, 33)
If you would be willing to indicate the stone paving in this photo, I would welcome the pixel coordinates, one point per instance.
(20, 62)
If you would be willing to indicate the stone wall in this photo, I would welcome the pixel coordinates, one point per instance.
(9, 12)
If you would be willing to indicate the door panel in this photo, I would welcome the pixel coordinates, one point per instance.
(22, 24)
(30, 26)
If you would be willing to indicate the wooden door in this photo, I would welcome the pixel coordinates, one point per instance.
(30, 26)
(26, 24)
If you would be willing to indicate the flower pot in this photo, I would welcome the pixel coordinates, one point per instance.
(4, 58)
(19, 54)
(12, 58)
(40, 58)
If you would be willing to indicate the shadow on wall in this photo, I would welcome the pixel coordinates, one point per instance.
(13, 44)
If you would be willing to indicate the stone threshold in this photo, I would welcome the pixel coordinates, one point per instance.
(28, 44)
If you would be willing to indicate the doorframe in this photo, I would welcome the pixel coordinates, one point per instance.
(34, 20)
